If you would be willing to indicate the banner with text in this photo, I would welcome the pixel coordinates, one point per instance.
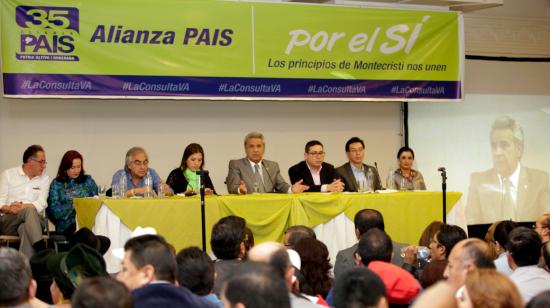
(225, 49)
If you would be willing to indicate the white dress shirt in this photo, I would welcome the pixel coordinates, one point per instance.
(530, 281)
(16, 186)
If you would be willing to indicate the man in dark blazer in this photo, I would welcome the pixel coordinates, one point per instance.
(355, 170)
(314, 172)
(255, 174)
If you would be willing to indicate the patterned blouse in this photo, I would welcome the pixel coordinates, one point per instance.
(415, 181)
(60, 200)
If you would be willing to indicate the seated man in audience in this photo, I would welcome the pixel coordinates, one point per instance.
(365, 220)
(256, 284)
(359, 287)
(136, 169)
(524, 250)
(502, 231)
(256, 174)
(102, 292)
(23, 195)
(196, 272)
(467, 255)
(355, 171)
(314, 172)
(542, 226)
(275, 255)
(17, 288)
(228, 245)
(293, 234)
(374, 251)
(149, 271)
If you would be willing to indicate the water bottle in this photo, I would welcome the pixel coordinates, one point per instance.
(370, 180)
(148, 186)
(198, 190)
(390, 181)
(122, 187)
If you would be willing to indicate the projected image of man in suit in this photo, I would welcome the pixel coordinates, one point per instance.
(509, 190)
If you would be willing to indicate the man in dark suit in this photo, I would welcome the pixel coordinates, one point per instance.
(509, 190)
(314, 172)
(255, 174)
(355, 171)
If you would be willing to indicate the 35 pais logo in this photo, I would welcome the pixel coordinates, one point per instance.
(47, 33)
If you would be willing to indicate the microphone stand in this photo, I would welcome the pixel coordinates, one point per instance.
(202, 174)
(444, 189)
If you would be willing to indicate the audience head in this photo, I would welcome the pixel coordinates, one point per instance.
(16, 283)
(86, 236)
(137, 162)
(315, 266)
(276, 256)
(467, 255)
(355, 150)
(490, 239)
(248, 241)
(71, 167)
(542, 300)
(41, 275)
(195, 270)
(359, 287)
(439, 295)
(428, 233)
(70, 268)
(374, 245)
(294, 234)
(254, 285)
(489, 288)
(101, 292)
(228, 236)
(314, 153)
(444, 241)
(34, 160)
(542, 226)
(193, 157)
(147, 258)
(523, 247)
(367, 219)
(502, 231)
(506, 145)
(254, 146)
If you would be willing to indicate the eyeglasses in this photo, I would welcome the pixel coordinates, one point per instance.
(140, 163)
(316, 153)
(42, 162)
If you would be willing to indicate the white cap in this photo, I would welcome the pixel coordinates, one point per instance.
(294, 258)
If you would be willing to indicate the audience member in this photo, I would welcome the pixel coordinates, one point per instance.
(467, 255)
(227, 243)
(185, 179)
(294, 234)
(374, 252)
(315, 266)
(69, 269)
(490, 239)
(196, 272)
(314, 172)
(71, 182)
(17, 288)
(149, 270)
(355, 171)
(542, 226)
(540, 301)
(502, 230)
(256, 285)
(489, 288)
(41, 275)
(405, 177)
(248, 241)
(365, 220)
(429, 233)
(23, 195)
(256, 174)
(86, 236)
(359, 287)
(98, 292)
(524, 250)
(439, 295)
(136, 169)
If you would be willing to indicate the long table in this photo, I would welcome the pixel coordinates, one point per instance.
(178, 219)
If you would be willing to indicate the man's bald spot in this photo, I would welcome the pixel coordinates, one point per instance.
(263, 252)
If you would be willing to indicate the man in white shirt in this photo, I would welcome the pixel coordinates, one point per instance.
(23, 195)
(524, 250)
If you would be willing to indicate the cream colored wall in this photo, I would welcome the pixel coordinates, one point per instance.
(103, 130)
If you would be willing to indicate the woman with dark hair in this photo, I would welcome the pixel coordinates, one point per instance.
(315, 267)
(185, 179)
(70, 182)
(405, 177)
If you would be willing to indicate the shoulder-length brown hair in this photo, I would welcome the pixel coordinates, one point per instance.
(67, 163)
(191, 149)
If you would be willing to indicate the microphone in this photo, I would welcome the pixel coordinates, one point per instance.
(376, 165)
(268, 175)
(441, 169)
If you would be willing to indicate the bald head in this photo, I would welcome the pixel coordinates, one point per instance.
(467, 255)
(275, 255)
(542, 227)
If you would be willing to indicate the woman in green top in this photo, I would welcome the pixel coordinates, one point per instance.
(184, 179)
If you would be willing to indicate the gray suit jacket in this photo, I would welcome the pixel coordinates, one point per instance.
(485, 197)
(345, 259)
(349, 179)
(240, 169)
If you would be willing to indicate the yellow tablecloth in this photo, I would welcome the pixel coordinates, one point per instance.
(178, 219)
